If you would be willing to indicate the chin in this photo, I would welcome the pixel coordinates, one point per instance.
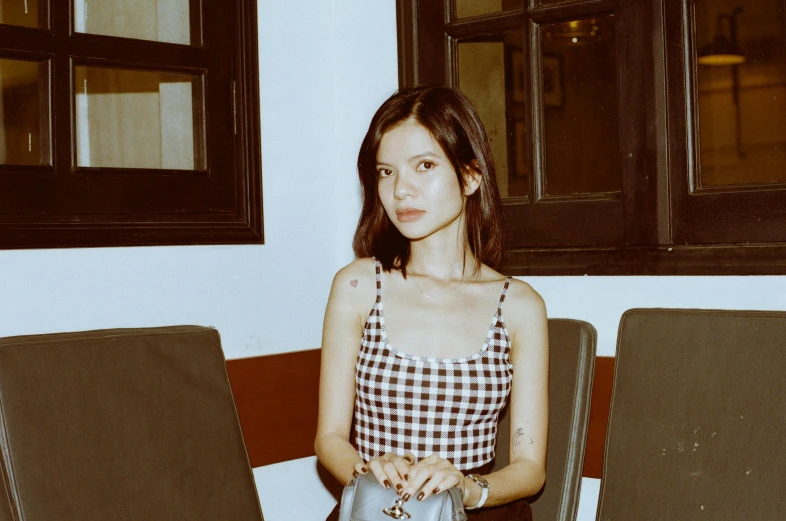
(411, 233)
(417, 233)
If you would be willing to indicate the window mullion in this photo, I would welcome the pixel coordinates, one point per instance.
(637, 106)
(536, 117)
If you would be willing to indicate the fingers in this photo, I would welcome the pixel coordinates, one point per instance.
(441, 481)
(430, 476)
(390, 470)
(396, 479)
(376, 468)
(403, 466)
(359, 468)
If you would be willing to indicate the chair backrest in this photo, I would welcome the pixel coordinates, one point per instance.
(6, 507)
(572, 346)
(697, 418)
(122, 424)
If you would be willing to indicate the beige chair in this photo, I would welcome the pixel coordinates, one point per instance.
(571, 366)
(128, 424)
(697, 425)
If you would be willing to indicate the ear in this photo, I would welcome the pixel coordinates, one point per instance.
(472, 178)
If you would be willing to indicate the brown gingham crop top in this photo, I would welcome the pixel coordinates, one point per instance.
(445, 406)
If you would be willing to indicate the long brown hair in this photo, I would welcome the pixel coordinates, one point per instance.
(453, 122)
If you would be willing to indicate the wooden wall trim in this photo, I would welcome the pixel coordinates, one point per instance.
(276, 400)
(599, 416)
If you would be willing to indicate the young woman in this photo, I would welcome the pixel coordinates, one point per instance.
(409, 357)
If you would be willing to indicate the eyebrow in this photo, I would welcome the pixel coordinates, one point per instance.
(424, 155)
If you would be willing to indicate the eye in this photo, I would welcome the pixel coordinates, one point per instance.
(384, 172)
(426, 165)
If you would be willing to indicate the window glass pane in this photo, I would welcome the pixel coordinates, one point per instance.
(579, 82)
(491, 74)
(742, 91)
(138, 119)
(26, 13)
(158, 20)
(466, 8)
(24, 128)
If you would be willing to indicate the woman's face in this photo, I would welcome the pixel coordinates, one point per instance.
(417, 184)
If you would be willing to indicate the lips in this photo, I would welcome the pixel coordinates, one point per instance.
(406, 215)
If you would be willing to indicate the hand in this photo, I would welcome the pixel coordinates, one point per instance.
(430, 476)
(390, 469)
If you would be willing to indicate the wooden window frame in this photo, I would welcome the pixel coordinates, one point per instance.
(95, 207)
(660, 204)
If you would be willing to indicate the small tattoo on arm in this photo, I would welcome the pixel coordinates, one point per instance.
(353, 283)
(517, 438)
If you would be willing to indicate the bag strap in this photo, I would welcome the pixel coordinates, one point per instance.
(346, 500)
(458, 504)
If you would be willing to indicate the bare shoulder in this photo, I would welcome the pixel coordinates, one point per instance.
(525, 311)
(357, 274)
(354, 285)
(522, 302)
(523, 298)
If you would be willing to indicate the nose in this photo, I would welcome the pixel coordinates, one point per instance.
(404, 187)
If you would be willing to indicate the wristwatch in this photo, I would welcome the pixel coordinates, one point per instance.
(484, 490)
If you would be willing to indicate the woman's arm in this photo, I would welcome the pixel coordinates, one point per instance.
(353, 287)
(525, 317)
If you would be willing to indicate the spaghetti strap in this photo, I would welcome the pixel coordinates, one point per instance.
(502, 296)
(378, 268)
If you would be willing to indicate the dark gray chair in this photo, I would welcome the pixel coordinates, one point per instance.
(572, 346)
(124, 424)
(697, 425)
(6, 507)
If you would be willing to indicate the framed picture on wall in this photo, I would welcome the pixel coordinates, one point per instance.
(552, 80)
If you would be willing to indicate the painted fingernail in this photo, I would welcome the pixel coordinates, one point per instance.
(406, 476)
(363, 470)
(354, 473)
(406, 497)
(436, 490)
(386, 483)
(399, 486)
(420, 496)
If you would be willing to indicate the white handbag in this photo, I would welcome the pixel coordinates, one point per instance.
(364, 499)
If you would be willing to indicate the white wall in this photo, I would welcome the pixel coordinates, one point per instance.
(325, 67)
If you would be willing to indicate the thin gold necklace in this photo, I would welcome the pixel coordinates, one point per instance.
(437, 294)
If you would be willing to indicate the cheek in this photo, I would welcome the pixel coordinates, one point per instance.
(382, 192)
(447, 189)
(385, 194)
